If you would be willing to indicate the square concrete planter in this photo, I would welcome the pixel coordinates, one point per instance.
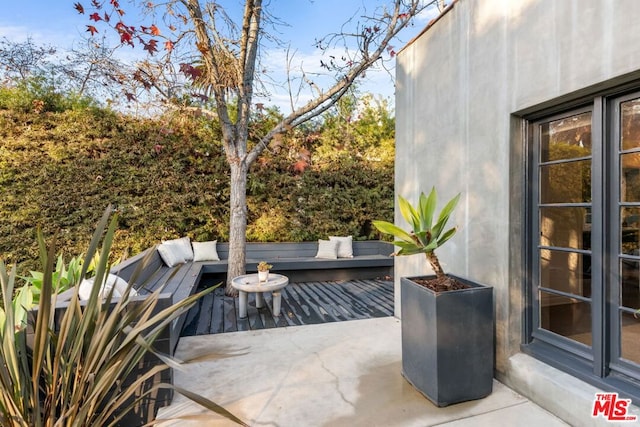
(448, 341)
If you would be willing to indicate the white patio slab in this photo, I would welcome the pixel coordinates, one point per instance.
(332, 374)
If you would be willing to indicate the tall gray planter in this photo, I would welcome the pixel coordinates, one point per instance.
(448, 341)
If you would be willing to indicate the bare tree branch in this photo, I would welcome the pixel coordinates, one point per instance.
(224, 64)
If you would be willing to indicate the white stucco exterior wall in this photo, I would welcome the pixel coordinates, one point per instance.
(461, 87)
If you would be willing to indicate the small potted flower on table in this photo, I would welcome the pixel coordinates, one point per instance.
(263, 271)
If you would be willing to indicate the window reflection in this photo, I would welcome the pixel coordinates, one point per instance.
(568, 272)
(629, 230)
(630, 177)
(565, 178)
(630, 224)
(568, 182)
(630, 337)
(630, 124)
(630, 283)
(567, 138)
(565, 227)
(564, 316)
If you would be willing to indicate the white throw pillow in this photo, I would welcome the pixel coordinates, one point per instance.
(118, 284)
(345, 246)
(171, 255)
(176, 251)
(184, 244)
(327, 249)
(121, 285)
(205, 251)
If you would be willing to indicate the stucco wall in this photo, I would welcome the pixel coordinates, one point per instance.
(461, 87)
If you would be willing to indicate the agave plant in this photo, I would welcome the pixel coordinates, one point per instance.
(70, 369)
(427, 233)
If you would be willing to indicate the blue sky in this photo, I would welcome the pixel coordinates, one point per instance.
(55, 22)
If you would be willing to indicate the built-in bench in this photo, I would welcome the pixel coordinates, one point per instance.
(371, 259)
(297, 261)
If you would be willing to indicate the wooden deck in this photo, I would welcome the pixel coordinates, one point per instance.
(302, 304)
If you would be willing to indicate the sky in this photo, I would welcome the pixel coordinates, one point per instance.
(57, 23)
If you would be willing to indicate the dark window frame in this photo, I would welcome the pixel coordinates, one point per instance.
(599, 364)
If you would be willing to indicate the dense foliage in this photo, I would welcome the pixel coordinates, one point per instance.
(60, 167)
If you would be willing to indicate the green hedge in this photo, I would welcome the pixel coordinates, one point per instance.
(59, 170)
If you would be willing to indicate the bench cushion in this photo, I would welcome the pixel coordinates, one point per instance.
(205, 251)
(177, 251)
(118, 284)
(345, 246)
(327, 249)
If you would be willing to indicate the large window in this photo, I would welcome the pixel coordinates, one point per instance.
(584, 242)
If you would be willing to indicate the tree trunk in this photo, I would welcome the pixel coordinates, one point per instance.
(237, 223)
(435, 264)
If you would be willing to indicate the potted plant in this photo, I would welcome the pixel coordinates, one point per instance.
(263, 271)
(447, 321)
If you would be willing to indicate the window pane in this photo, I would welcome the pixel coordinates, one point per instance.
(568, 272)
(630, 124)
(629, 240)
(630, 177)
(630, 283)
(565, 227)
(568, 182)
(568, 138)
(566, 316)
(630, 339)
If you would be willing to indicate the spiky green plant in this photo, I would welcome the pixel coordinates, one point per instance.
(427, 233)
(70, 372)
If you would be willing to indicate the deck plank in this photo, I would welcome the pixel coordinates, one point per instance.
(342, 309)
(242, 323)
(255, 321)
(229, 310)
(204, 319)
(300, 312)
(217, 312)
(362, 300)
(191, 321)
(315, 303)
(350, 307)
(287, 312)
(376, 301)
(302, 304)
(280, 320)
(311, 313)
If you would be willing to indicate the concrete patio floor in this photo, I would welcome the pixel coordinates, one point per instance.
(332, 374)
